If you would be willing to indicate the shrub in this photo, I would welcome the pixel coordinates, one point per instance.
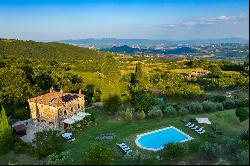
(182, 110)
(210, 150)
(173, 150)
(182, 163)
(216, 129)
(133, 158)
(208, 106)
(219, 116)
(229, 104)
(48, 142)
(169, 111)
(98, 155)
(140, 115)
(217, 98)
(63, 158)
(244, 136)
(128, 114)
(219, 107)
(4, 149)
(144, 101)
(195, 107)
(222, 162)
(232, 145)
(155, 112)
(243, 158)
(242, 114)
(112, 104)
(245, 102)
(22, 114)
(194, 145)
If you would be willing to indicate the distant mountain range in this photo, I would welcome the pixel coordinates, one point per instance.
(109, 42)
(129, 50)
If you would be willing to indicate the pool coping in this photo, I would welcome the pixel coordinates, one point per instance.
(155, 131)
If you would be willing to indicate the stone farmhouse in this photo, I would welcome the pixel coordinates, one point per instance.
(199, 72)
(55, 109)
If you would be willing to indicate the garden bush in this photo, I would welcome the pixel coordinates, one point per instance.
(242, 114)
(98, 155)
(218, 115)
(112, 104)
(244, 136)
(232, 145)
(182, 111)
(219, 107)
(244, 102)
(155, 112)
(48, 142)
(128, 114)
(139, 115)
(195, 107)
(133, 158)
(63, 158)
(173, 150)
(222, 162)
(217, 98)
(169, 111)
(144, 101)
(216, 129)
(243, 158)
(210, 150)
(208, 106)
(193, 145)
(229, 104)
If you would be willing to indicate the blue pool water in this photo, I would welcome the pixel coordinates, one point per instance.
(156, 140)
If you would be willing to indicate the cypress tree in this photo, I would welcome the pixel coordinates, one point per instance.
(5, 129)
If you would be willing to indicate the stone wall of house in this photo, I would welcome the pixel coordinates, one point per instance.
(44, 113)
(70, 108)
(53, 115)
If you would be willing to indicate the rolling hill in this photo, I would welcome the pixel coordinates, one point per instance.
(50, 51)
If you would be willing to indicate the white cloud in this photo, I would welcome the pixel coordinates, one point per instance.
(223, 18)
(211, 21)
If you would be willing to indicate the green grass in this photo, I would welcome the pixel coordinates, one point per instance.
(90, 78)
(19, 159)
(126, 132)
(231, 72)
(186, 71)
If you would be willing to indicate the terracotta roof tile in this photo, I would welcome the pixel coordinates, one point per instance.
(55, 98)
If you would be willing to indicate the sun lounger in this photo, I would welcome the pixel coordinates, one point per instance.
(188, 124)
(125, 149)
(191, 126)
(199, 130)
(202, 132)
(194, 128)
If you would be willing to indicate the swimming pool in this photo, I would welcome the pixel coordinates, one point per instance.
(155, 140)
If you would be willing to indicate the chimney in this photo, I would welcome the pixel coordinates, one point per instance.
(80, 91)
(51, 89)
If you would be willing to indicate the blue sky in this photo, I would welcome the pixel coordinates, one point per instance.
(49, 20)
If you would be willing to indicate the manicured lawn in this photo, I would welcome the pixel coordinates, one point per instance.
(126, 132)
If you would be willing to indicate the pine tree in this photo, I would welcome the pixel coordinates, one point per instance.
(5, 129)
